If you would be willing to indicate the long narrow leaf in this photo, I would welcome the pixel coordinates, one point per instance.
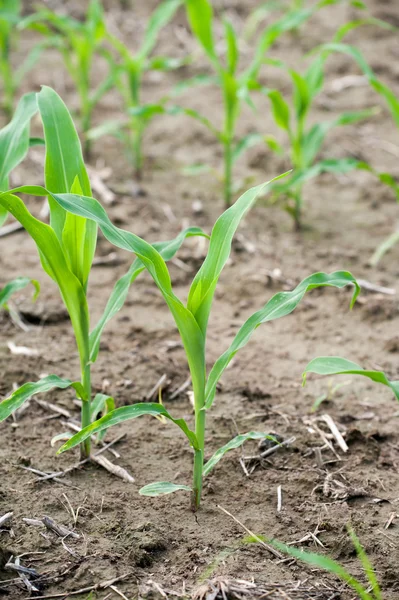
(231, 445)
(15, 286)
(26, 391)
(278, 306)
(160, 488)
(334, 365)
(126, 413)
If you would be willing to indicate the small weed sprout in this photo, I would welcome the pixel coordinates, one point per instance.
(192, 321)
(80, 43)
(66, 249)
(130, 73)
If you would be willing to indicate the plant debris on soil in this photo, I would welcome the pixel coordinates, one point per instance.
(109, 542)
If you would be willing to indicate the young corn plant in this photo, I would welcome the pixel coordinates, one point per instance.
(130, 73)
(392, 103)
(66, 248)
(80, 43)
(370, 592)
(10, 19)
(191, 319)
(236, 87)
(307, 140)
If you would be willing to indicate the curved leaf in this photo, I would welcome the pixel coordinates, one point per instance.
(334, 365)
(158, 19)
(280, 305)
(159, 488)
(200, 18)
(125, 413)
(14, 137)
(231, 445)
(26, 391)
(14, 286)
(119, 294)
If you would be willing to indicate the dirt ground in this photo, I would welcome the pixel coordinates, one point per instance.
(157, 546)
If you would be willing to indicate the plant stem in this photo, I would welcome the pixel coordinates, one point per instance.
(137, 154)
(228, 164)
(86, 409)
(9, 91)
(200, 420)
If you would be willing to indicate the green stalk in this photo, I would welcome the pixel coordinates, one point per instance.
(200, 420)
(228, 167)
(8, 87)
(86, 408)
(137, 128)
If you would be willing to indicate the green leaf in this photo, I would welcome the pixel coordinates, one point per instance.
(102, 403)
(280, 110)
(203, 286)
(158, 19)
(326, 563)
(200, 18)
(245, 143)
(159, 488)
(15, 286)
(119, 294)
(367, 566)
(280, 305)
(64, 172)
(301, 95)
(232, 46)
(334, 365)
(231, 445)
(125, 413)
(14, 137)
(54, 263)
(26, 391)
(384, 247)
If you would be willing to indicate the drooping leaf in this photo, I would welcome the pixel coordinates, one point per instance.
(326, 563)
(15, 286)
(334, 365)
(280, 305)
(14, 137)
(125, 413)
(366, 563)
(119, 294)
(384, 247)
(26, 391)
(245, 143)
(159, 488)
(231, 445)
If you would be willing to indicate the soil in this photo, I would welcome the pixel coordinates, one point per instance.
(157, 546)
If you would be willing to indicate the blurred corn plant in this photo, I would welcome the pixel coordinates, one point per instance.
(370, 591)
(191, 319)
(80, 44)
(235, 88)
(306, 140)
(12, 77)
(66, 248)
(392, 103)
(130, 72)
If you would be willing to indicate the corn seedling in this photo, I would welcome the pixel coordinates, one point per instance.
(79, 42)
(10, 19)
(66, 249)
(307, 140)
(130, 75)
(15, 286)
(385, 92)
(370, 592)
(236, 88)
(334, 365)
(192, 320)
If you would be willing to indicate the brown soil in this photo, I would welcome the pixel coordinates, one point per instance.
(161, 540)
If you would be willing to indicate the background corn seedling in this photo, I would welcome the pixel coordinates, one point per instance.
(130, 73)
(192, 320)
(80, 43)
(371, 592)
(236, 87)
(10, 20)
(66, 249)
